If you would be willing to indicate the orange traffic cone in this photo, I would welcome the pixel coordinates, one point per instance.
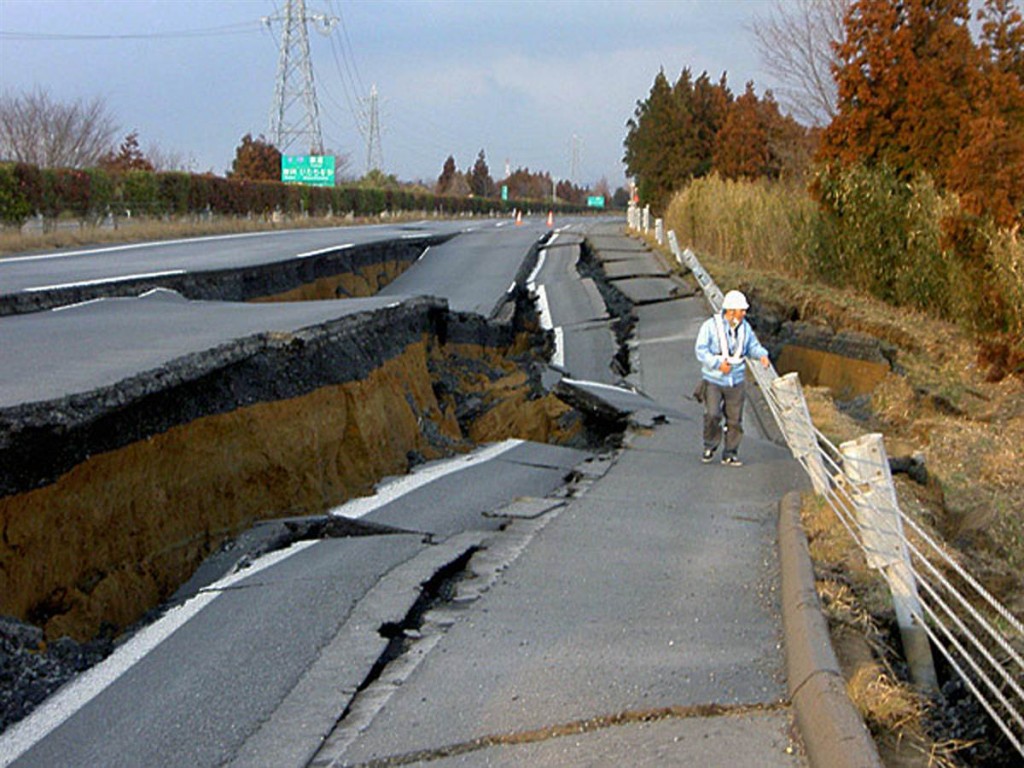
(551, 218)
(519, 218)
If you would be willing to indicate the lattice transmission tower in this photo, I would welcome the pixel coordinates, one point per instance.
(295, 114)
(374, 152)
(576, 149)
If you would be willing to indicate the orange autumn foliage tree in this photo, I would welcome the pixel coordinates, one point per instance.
(741, 147)
(915, 93)
(756, 141)
(988, 171)
(905, 81)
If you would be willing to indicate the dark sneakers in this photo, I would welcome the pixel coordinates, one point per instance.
(731, 461)
(707, 456)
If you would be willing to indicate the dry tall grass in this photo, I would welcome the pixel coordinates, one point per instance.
(760, 224)
(892, 246)
(1007, 250)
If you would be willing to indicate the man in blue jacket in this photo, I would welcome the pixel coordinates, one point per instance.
(723, 343)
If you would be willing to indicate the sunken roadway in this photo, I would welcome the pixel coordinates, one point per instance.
(522, 604)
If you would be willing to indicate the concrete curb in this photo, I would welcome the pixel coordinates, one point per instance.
(833, 732)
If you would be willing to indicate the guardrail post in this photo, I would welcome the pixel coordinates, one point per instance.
(874, 495)
(711, 291)
(647, 219)
(796, 424)
(673, 245)
(659, 231)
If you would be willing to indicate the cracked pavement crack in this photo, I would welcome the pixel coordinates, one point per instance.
(576, 727)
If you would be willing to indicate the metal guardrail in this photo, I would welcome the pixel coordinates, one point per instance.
(938, 603)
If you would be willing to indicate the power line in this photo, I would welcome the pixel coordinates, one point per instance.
(348, 86)
(350, 59)
(243, 28)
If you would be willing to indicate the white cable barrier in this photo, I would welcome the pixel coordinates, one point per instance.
(939, 604)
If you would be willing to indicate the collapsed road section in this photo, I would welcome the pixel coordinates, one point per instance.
(142, 434)
(114, 487)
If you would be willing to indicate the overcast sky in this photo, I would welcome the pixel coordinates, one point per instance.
(516, 78)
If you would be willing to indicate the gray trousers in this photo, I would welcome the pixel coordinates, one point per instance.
(727, 401)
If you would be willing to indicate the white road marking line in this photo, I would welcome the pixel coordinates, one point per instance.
(545, 310)
(25, 734)
(601, 386)
(76, 305)
(536, 271)
(134, 246)
(399, 487)
(102, 280)
(322, 251)
(664, 339)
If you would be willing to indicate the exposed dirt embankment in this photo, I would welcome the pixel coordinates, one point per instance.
(110, 500)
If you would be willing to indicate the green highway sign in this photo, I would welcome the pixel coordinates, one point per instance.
(317, 170)
(596, 201)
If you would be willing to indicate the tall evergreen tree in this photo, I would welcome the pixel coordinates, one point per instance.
(710, 103)
(988, 171)
(906, 80)
(917, 94)
(480, 182)
(670, 136)
(1002, 31)
(741, 148)
(444, 181)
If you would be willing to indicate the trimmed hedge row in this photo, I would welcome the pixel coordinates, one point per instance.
(91, 194)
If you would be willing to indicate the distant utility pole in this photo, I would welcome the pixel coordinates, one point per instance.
(574, 163)
(295, 114)
(374, 152)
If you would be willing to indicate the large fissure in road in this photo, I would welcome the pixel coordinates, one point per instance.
(111, 499)
(107, 510)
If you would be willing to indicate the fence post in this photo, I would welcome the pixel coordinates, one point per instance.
(867, 467)
(673, 245)
(796, 424)
(659, 231)
(647, 219)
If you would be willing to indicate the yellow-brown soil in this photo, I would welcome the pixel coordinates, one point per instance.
(119, 532)
(365, 282)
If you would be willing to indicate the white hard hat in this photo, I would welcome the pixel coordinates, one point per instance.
(735, 300)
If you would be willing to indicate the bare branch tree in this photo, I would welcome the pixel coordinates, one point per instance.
(795, 43)
(169, 160)
(37, 130)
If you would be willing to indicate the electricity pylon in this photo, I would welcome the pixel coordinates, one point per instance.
(374, 153)
(574, 162)
(295, 114)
